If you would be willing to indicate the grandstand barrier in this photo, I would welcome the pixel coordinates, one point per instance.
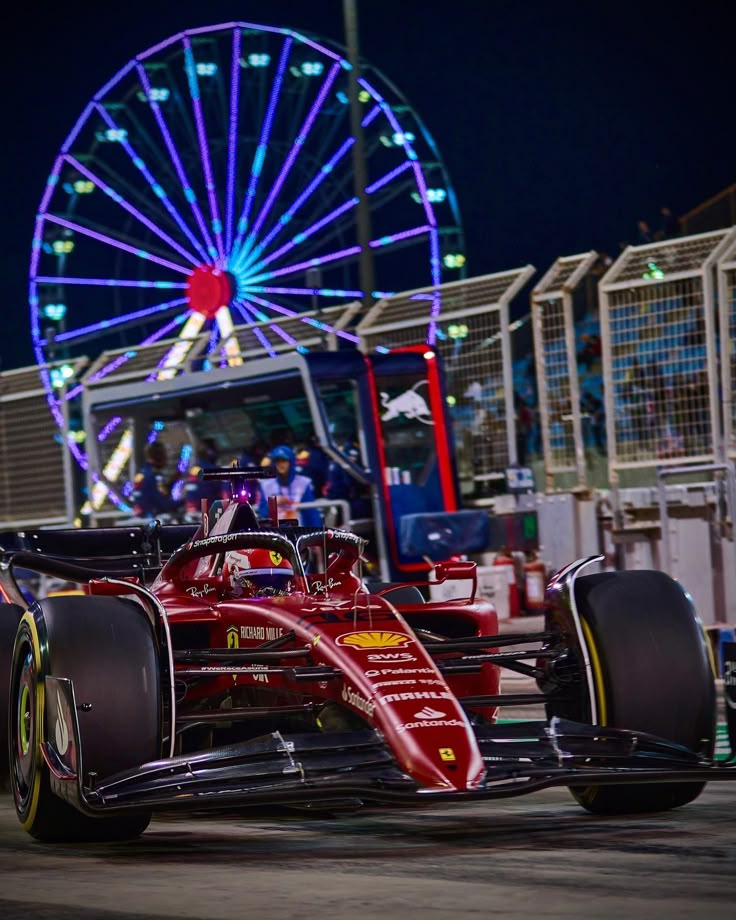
(556, 361)
(659, 351)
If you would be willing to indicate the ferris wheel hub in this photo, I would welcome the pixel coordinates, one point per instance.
(208, 289)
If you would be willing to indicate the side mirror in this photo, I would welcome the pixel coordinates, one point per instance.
(445, 570)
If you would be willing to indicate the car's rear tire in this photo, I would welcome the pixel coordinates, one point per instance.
(651, 672)
(106, 646)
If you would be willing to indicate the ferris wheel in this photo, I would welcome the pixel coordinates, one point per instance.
(209, 185)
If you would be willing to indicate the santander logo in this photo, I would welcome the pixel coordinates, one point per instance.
(429, 713)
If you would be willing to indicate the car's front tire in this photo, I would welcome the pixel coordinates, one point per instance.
(107, 648)
(651, 673)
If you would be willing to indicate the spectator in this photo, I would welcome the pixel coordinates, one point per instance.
(595, 411)
(590, 354)
(151, 489)
(290, 489)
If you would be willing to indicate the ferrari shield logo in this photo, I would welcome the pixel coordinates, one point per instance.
(232, 637)
(276, 558)
(373, 640)
(447, 754)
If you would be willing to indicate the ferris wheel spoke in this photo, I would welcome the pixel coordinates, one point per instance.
(204, 150)
(153, 184)
(232, 139)
(315, 262)
(307, 320)
(176, 161)
(289, 213)
(117, 244)
(324, 172)
(296, 148)
(138, 215)
(253, 315)
(260, 333)
(391, 239)
(262, 147)
(342, 293)
(111, 282)
(304, 235)
(125, 321)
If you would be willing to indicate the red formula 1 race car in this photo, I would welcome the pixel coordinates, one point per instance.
(254, 665)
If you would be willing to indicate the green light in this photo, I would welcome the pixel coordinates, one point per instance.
(457, 331)
(453, 260)
(206, 69)
(312, 68)
(83, 186)
(54, 311)
(60, 375)
(259, 60)
(654, 272)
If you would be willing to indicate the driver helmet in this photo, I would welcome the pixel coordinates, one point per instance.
(257, 573)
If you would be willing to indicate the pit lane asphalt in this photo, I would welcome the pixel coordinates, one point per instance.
(535, 856)
(538, 855)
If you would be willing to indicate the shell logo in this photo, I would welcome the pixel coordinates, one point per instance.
(372, 640)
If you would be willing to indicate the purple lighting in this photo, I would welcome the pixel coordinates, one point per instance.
(396, 237)
(299, 201)
(178, 166)
(293, 154)
(154, 185)
(118, 199)
(104, 324)
(325, 327)
(305, 234)
(204, 149)
(100, 237)
(110, 282)
(260, 153)
(310, 263)
(232, 136)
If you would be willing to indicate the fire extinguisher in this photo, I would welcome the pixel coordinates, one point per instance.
(535, 583)
(504, 558)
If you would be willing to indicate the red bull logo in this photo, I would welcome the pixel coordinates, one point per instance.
(409, 404)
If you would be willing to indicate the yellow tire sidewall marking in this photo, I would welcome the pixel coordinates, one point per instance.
(27, 618)
(589, 793)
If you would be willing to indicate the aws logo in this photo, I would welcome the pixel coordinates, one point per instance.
(373, 640)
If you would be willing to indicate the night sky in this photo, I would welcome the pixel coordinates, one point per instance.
(560, 123)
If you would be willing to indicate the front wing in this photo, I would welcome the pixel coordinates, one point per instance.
(318, 768)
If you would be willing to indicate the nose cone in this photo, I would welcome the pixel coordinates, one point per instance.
(431, 738)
